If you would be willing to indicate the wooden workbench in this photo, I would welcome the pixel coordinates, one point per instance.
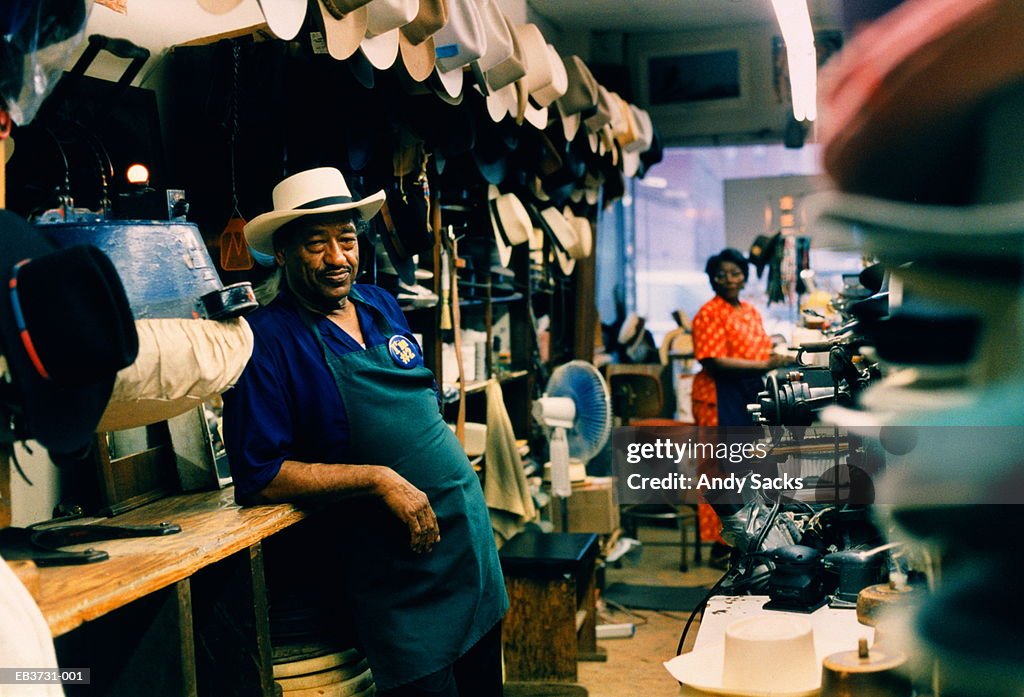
(181, 614)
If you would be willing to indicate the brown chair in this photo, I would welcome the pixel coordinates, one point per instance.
(635, 395)
(638, 400)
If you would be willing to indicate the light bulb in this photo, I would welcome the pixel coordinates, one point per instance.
(138, 174)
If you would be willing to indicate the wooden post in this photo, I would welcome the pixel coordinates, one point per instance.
(232, 632)
(144, 648)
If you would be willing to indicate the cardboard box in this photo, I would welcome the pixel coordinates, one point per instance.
(593, 507)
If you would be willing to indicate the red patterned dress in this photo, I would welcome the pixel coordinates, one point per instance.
(721, 330)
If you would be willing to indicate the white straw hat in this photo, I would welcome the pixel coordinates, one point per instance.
(312, 192)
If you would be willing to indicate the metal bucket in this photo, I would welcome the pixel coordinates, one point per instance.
(164, 266)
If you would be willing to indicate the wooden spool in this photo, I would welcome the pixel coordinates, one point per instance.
(873, 601)
(865, 673)
(359, 686)
(316, 664)
(326, 677)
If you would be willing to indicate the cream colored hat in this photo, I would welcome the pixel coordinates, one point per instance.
(503, 99)
(344, 23)
(510, 221)
(581, 92)
(584, 235)
(606, 106)
(623, 127)
(498, 37)
(537, 82)
(642, 143)
(383, 20)
(284, 17)
(511, 69)
(312, 192)
(547, 95)
(459, 43)
(565, 235)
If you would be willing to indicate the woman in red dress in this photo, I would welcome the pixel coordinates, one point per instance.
(734, 352)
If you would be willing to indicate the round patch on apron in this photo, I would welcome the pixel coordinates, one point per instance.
(403, 352)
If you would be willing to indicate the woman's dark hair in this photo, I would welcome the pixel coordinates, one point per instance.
(728, 254)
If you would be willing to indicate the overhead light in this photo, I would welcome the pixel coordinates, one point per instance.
(795, 24)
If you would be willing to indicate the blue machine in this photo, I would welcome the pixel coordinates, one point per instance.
(165, 267)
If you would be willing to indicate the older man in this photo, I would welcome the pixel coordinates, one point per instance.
(337, 404)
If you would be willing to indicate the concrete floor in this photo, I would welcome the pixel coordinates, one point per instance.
(634, 665)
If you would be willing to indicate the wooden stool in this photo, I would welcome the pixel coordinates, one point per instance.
(552, 620)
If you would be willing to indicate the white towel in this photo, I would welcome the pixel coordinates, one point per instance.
(505, 488)
(25, 640)
(181, 362)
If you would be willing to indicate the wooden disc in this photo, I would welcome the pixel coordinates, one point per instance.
(286, 653)
(316, 664)
(878, 659)
(348, 688)
(325, 677)
(871, 601)
(866, 673)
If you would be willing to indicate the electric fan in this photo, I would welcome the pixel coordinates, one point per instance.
(577, 410)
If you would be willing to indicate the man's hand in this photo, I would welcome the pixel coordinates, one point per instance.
(411, 507)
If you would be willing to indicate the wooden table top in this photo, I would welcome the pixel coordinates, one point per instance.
(212, 527)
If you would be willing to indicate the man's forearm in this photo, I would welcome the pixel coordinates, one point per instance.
(297, 481)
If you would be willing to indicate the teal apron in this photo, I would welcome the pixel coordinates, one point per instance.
(416, 613)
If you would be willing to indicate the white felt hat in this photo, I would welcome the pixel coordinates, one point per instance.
(312, 192)
(763, 656)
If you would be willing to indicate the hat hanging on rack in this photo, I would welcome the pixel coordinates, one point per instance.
(344, 24)
(284, 17)
(384, 18)
(510, 222)
(459, 43)
(416, 39)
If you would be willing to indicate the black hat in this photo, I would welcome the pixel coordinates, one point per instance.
(404, 228)
(65, 329)
(762, 251)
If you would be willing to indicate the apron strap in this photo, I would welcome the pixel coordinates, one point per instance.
(382, 323)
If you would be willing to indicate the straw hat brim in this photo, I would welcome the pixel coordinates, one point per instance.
(284, 17)
(381, 50)
(343, 35)
(259, 232)
(419, 59)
